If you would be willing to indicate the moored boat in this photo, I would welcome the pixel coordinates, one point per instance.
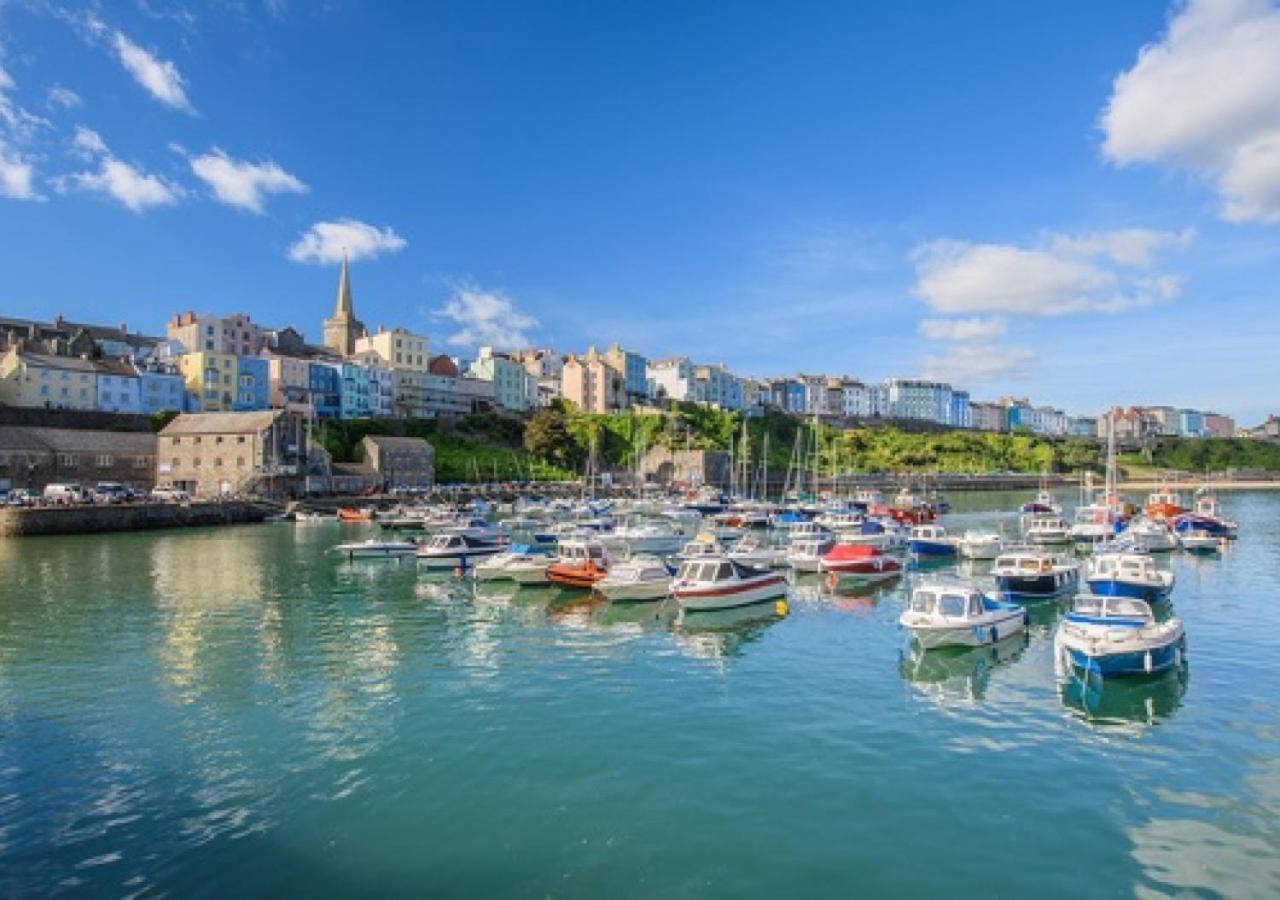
(1128, 574)
(1195, 540)
(501, 566)
(980, 545)
(753, 550)
(453, 551)
(943, 614)
(376, 549)
(806, 554)
(931, 542)
(858, 562)
(638, 578)
(1116, 636)
(581, 564)
(355, 514)
(1030, 573)
(1046, 529)
(721, 583)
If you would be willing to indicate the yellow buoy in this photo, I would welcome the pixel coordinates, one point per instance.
(781, 607)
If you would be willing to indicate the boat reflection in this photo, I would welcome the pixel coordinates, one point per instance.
(1124, 701)
(1043, 615)
(949, 674)
(725, 633)
(655, 615)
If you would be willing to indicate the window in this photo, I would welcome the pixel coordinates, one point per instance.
(142, 462)
(217, 462)
(105, 461)
(177, 441)
(239, 462)
(196, 439)
(218, 439)
(196, 462)
(69, 460)
(175, 463)
(240, 439)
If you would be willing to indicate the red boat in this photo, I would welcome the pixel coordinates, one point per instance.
(348, 514)
(580, 565)
(859, 562)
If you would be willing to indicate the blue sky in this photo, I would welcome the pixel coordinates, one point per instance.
(1007, 195)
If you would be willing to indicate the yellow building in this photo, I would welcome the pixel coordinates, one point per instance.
(47, 382)
(210, 380)
(397, 349)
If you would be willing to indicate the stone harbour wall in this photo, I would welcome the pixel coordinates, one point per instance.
(130, 517)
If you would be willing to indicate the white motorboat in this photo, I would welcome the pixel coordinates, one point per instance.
(453, 551)
(1128, 574)
(376, 549)
(753, 550)
(704, 546)
(1031, 573)
(980, 544)
(946, 614)
(1197, 540)
(721, 583)
(1153, 535)
(1046, 529)
(650, 536)
(530, 571)
(638, 578)
(501, 566)
(1112, 636)
(805, 554)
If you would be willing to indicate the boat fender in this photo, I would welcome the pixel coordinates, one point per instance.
(1146, 662)
(781, 608)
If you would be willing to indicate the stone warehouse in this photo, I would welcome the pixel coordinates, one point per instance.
(222, 454)
(32, 457)
(400, 461)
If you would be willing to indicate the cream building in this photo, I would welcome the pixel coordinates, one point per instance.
(592, 384)
(49, 382)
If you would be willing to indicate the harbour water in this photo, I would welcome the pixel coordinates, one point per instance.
(234, 712)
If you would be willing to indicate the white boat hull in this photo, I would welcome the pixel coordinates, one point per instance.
(654, 589)
(702, 599)
(972, 633)
(454, 560)
(529, 574)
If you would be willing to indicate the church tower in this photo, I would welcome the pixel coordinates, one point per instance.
(341, 331)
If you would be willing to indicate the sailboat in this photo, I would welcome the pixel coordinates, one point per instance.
(1099, 521)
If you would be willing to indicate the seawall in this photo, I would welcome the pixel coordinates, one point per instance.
(130, 517)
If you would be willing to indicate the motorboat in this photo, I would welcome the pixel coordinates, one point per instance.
(980, 544)
(859, 562)
(532, 570)
(931, 542)
(753, 550)
(581, 564)
(1164, 504)
(638, 578)
(866, 498)
(455, 551)
(376, 549)
(944, 614)
(353, 514)
(721, 583)
(807, 530)
(1044, 502)
(649, 536)
(1046, 529)
(1128, 575)
(501, 566)
(805, 554)
(883, 533)
(1116, 636)
(1093, 523)
(1030, 573)
(1206, 515)
(1152, 534)
(704, 545)
(1196, 540)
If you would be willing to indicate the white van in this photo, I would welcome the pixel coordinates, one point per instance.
(169, 495)
(70, 492)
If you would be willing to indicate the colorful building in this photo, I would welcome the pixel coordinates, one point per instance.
(253, 384)
(160, 385)
(37, 380)
(119, 387)
(210, 380)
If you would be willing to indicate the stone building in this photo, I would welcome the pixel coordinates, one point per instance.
(400, 461)
(32, 457)
(225, 453)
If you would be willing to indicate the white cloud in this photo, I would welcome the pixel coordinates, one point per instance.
(64, 98)
(327, 242)
(973, 329)
(487, 319)
(1206, 98)
(160, 77)
(1063, 275)
(241, 183)
(17, 176)
(134, 189)
(978, 364)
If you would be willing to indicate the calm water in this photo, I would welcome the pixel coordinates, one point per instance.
(228, 711)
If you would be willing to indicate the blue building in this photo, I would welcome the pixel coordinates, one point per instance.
(161, 387)
(253, 384)
(961, 412)
(634, 369)
(1191, 423)
(354, 397)
(326, 390)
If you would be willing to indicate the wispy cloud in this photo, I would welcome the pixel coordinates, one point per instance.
(160, 77)
(241, 183)
(1206, 98)
(485, 318)
(963, 329)
(63, 98)
(327, 242)
(978, 364)
(1103, 272)
(18, 128)
(116, 179)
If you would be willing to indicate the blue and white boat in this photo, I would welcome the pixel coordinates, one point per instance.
(931, 542)
(944, 614)
(1028, 573)
(1115, 636)
(1128, 574)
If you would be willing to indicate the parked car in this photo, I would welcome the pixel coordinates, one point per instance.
(170, 495)
(20, 497)
(65, 493)
(110, 492)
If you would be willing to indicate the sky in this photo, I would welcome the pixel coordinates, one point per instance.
(1074, 202)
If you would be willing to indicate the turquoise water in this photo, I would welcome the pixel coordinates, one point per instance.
(228, 711)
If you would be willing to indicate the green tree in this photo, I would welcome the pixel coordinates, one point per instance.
(547, 437)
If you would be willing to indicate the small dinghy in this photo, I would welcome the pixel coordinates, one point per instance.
(1115, 636)
(376, 549)
(943, 614)
(1128, 574)
(641, 577)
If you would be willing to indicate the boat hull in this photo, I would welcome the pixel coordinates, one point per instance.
(931, 637)
(1041, 584)
(758, 591)
(454, 559)
(1114, 587)
(1150, 661)
(634, 590)
(931, 549)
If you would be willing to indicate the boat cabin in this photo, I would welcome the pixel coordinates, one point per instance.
(714, 571)
(1023, 564)
(951, 602)
(583, 551)
(1118, 611)
(1134, 567)
(928, 533)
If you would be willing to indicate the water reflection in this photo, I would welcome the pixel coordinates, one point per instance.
(951, 674)
(636, 617)
(724, 634)
(1124, 701)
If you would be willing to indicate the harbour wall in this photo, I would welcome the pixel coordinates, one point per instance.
(126, 517)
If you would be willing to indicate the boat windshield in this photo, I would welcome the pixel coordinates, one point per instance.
(923, 601)
(952, 605)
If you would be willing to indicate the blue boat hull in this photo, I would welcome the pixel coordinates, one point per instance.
(931, 549)
(1110, 587)
(1049, 584)
(1121, 664)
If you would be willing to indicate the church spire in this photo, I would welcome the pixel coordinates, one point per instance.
(343, 309)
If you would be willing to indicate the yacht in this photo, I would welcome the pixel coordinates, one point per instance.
(501, 566)
(1152, 534)
(980, 544)
(1046, 529)
(376, 549)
